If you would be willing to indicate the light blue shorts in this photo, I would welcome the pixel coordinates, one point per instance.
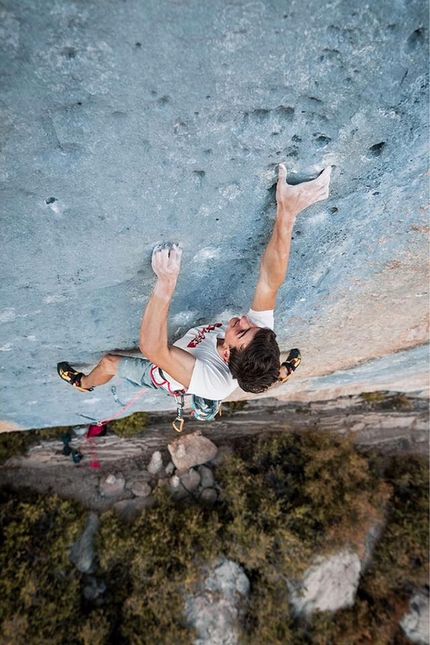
(137, 371)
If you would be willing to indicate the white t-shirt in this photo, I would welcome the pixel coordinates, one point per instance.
(211, 377)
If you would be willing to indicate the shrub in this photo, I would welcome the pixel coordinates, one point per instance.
(150, 565)
(287, 497)
(283, 499)
(129, 426)
(18, 442)
(39, 587)
(399, 563)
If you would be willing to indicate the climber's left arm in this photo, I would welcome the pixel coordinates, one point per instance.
(291, 200)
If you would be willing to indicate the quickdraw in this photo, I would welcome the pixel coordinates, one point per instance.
(178, 423)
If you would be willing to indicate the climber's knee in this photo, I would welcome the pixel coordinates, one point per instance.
(109, 363)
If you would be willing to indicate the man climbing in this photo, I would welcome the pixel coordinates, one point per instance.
(210, 361)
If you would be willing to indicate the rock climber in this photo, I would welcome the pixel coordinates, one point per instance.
(212, 360)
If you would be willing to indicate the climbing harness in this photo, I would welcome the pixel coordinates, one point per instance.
(201, 409)
(178, 423)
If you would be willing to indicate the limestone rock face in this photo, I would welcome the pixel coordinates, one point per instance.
(122, 127)
(416, 623)
(330, 584)
(191, 450)
(214, 611)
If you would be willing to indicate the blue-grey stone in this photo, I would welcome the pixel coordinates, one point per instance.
(129, 123)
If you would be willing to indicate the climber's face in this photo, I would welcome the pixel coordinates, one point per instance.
(240, 332)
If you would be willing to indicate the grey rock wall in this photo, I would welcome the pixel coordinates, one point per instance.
(125, 123)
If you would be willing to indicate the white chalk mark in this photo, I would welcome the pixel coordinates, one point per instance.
(184, 317)
(52, 299)
(208, 253)
(7, 315)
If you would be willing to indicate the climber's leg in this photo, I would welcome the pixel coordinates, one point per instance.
(102, 373)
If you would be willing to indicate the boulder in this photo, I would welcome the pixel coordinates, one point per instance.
(224, 453)
(156, 463)
(82, 552)
(176, 488)
(207, 477)
(209, 496)
(329, 584)
(170, 469)
(129, 509)
(112, 485)
(416, 623)
(214, 611)
(93, 589)
(190, 480)
(140, 488)
(191, 450)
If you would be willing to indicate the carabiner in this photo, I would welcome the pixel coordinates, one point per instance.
(181, 422)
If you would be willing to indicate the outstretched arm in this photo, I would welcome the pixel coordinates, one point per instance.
(153, 344)
(291, 200)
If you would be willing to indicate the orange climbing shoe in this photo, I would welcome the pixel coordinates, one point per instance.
(290, 365)
(71, 376)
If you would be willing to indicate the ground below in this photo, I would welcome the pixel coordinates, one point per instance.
(387, 422)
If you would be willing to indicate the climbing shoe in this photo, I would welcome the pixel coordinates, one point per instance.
(70, 375)
(290, 365)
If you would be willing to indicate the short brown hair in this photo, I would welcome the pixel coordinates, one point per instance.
(257, 366)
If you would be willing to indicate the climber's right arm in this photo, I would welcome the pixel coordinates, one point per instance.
(153, 344)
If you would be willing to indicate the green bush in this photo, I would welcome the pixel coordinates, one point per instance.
(285, 498)
(399, 563)
(39, 587)
(18, 442)
(129, 426)
(150, 565)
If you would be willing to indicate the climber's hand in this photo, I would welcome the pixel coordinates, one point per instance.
(292, 200)
(166, 262)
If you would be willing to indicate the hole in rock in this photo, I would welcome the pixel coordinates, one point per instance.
(416, 39)
(377, 148)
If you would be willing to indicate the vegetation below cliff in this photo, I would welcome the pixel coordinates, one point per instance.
(284, 498)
